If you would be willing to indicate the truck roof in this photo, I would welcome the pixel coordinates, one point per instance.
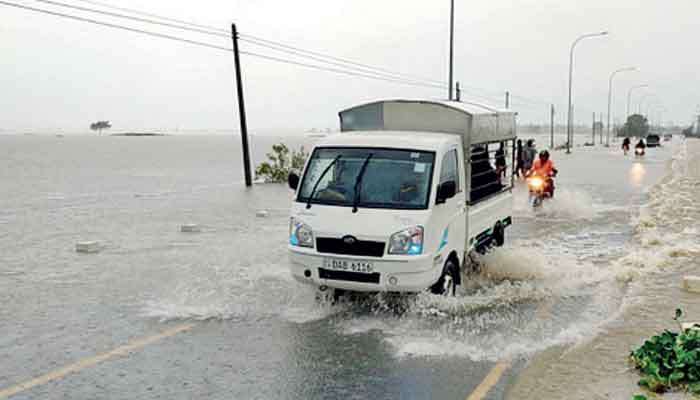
(476, 123)
(427, 141)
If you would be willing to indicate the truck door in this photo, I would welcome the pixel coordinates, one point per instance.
(452, 214)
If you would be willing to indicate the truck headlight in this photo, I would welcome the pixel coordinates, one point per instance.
(300, 234)
(408, 241)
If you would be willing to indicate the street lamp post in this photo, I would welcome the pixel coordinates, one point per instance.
(610, 87)
(629, 96)
(569, 135)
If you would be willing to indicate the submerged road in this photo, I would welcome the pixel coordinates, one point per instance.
(162, 314)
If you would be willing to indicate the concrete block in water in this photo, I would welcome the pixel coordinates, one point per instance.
(261, 213)
(191, 228)
(91, 246)
(691, 284)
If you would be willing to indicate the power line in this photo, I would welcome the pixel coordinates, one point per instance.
(317, 56)
(342, 60)
(132, 18)
(115, 26)
(338, 64)
(274, 45)
(256, 41)
(138, 12)
(271, 58)
(352, 68)
(198, 43)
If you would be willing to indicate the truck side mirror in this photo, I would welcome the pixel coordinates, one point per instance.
(293, 180)
(446, 190)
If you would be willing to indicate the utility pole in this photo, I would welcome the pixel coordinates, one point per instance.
(600, 125)
(593, 129)
(452, 45)
(507, 100)
(241, 108)
(551, 127)
(458, 92)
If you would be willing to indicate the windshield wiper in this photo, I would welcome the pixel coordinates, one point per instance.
(358, 183)
(325, 171)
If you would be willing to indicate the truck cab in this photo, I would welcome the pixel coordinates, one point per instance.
(397, 200)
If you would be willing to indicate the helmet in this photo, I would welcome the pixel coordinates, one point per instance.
(544, 155)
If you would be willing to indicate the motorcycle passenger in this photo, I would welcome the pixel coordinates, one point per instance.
(544, 167)
(626, 145)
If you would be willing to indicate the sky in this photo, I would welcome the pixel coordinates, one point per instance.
(60, 75)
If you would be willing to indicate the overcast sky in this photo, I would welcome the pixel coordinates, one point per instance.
(62, 74)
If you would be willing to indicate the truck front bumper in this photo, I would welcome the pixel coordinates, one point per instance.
(404, 274)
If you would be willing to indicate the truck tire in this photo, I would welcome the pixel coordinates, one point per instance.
(499, 234)
(447, 284)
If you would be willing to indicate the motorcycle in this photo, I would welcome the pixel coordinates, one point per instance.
(539, 187)
(639, 151)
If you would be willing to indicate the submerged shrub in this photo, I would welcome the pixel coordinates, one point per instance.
(670, 361)
(280, 163)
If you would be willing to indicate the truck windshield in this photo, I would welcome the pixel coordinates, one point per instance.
(391, 178)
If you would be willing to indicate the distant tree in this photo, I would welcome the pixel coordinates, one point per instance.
(637, 125)
(280, 163)
(99, 126)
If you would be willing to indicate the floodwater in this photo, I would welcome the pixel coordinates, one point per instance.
(568, 272)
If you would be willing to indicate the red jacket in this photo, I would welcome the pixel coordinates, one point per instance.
(545, 169)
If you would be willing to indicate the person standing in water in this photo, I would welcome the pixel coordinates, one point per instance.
(529, 155)
(519, 169)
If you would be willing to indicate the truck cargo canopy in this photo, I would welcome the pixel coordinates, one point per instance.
(477, 123)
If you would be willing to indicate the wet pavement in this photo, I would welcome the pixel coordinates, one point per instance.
(158, 313)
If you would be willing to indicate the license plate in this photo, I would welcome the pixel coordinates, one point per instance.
(348, 265)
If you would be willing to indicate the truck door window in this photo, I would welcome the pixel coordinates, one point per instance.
(450, 168)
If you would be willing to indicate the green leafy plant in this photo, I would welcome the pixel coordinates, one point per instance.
(281, 161)
(670, 360)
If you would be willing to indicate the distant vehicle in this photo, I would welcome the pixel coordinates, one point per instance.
(653, 140)
(668, 137)
(398, 199)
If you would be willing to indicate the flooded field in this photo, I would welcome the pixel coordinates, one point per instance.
(618, 231)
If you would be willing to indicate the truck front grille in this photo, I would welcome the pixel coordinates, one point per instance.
(358, 248)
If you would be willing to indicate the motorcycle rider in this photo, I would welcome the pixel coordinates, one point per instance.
(544, 167)
(640, 147)
(626, 145)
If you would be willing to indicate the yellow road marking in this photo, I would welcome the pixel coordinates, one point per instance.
(489, 381)
(92, 361)
(543, 311)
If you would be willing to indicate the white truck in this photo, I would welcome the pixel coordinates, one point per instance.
(399, 198)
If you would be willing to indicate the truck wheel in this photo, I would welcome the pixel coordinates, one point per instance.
(499, 235)
(448, 280)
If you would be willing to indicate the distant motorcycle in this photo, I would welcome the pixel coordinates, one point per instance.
(540, 189)
(639, 152)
